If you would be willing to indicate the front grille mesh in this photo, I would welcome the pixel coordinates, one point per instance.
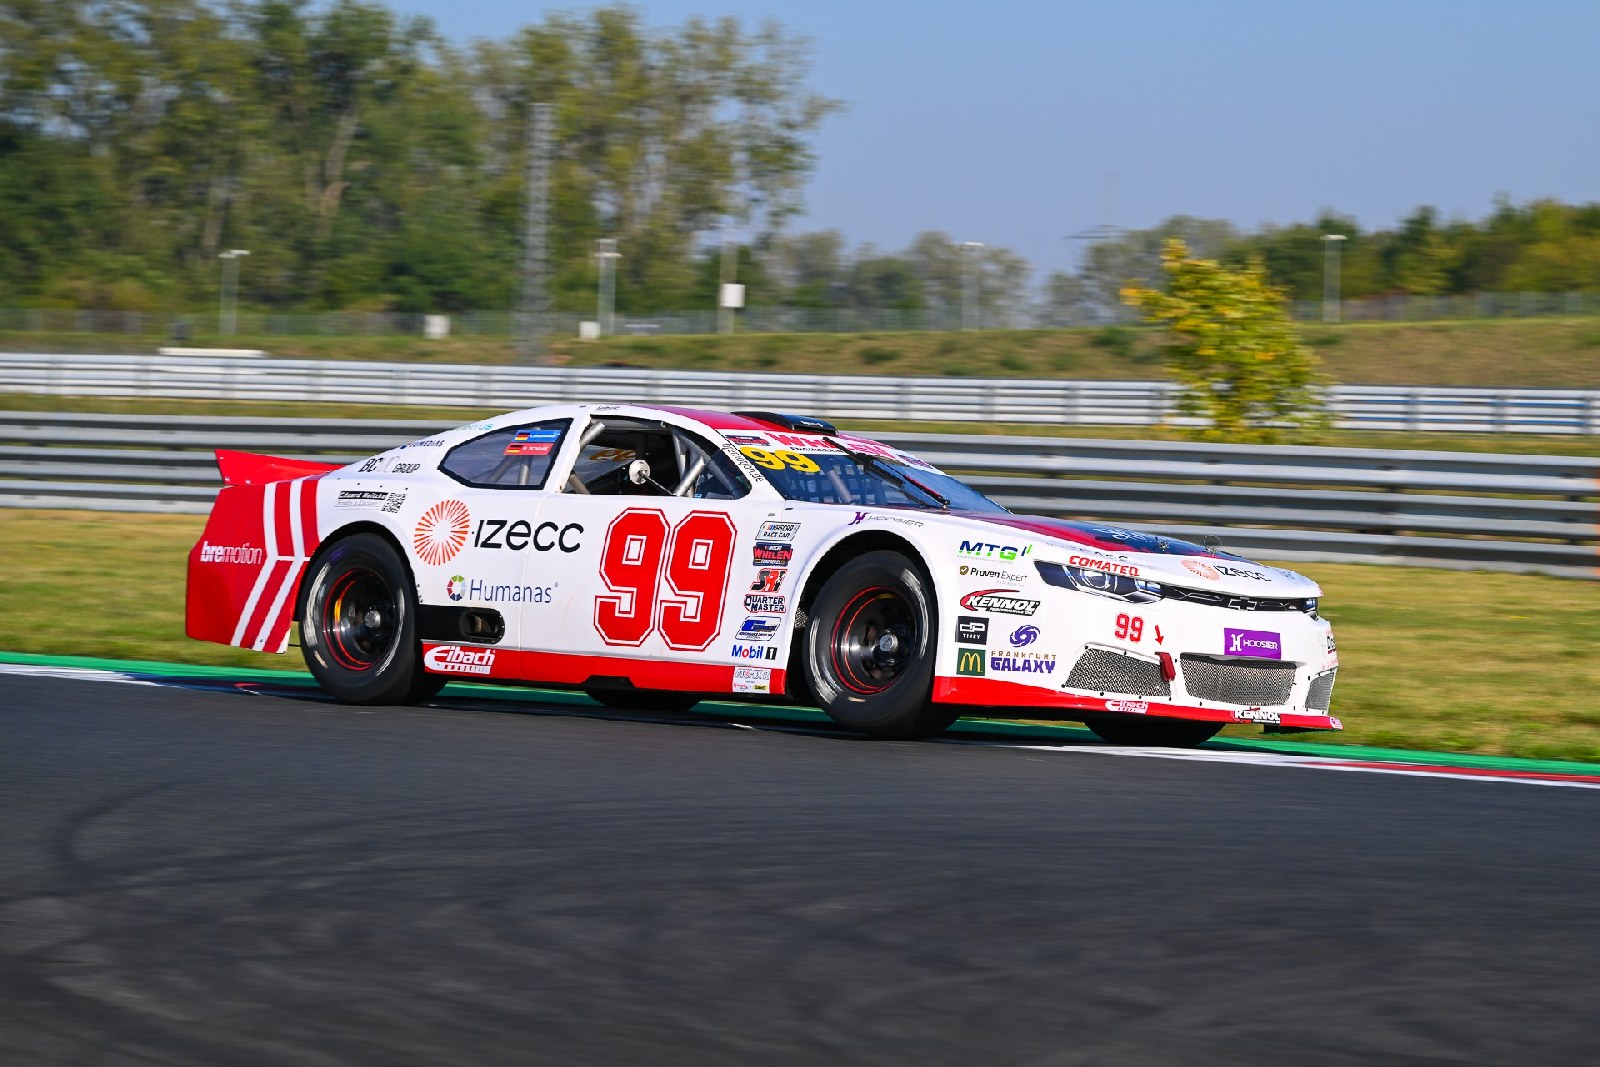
(1321, 695)
(1103, 671)
(1255, 683)
(1234, 602)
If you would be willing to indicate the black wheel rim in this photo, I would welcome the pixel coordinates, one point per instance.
(360, 620)
(875, 638)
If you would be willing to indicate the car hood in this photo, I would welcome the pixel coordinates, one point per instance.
(1165, 559)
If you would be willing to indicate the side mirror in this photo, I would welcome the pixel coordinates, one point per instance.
(638, 472)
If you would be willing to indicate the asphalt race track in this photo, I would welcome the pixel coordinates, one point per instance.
(206, 877)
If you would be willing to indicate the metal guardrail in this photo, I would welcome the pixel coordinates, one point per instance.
(1453, 509)
(1039, 402)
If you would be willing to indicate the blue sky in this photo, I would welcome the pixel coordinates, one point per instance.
(1019, 122)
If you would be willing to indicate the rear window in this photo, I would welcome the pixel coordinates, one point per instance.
(515, 457)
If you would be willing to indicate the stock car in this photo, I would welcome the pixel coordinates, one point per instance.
(653, 556)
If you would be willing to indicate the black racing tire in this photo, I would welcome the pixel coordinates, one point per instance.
(358, 626)
(869, 643)
(1159, 733)
(663, 700)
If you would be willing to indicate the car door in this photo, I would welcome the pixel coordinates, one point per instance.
(493, 526)
(648, 591)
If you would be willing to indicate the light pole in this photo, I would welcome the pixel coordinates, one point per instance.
(730, 262)
(606, 252)
(970, 294)
(1330, 276)
(227, 314)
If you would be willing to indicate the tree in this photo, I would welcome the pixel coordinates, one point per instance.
(1233, 349)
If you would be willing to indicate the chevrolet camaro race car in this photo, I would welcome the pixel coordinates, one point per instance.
(652, 556)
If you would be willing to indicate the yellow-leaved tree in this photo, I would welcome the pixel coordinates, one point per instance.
(1233, 350)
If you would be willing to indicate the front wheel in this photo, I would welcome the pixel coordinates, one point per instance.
(358, 630)
(1163, 733)
(869, 648)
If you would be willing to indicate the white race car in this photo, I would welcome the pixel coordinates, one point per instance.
(652, 556)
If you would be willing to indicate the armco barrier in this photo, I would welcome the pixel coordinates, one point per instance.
(987, 400)
(1459, 509)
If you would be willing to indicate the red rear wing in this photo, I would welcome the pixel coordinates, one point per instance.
(245, 572)
(248, 468)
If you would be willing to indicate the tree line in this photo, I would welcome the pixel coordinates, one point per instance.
(1543, 246)
(367, 163)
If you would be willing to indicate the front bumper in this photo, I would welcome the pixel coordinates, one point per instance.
(1175, 660)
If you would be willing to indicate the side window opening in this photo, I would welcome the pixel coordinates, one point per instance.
(681, 463)
(515, 457)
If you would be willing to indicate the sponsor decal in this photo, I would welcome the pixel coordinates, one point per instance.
(1262, 643)
(1128, 707)
(990, 573)
(777, 531)
(486, 592)
(755, 652)
(532, 442)
(1095, 563)
(972, 630)
(999, 602)
(453, 659)
(746, 438)
(487, 424)
(1240, 572)
(1204, 570)
(1328, 637)
(441, 532)
(394, 503)
(426, 442)
(969, 661)
(985, 550)
(1023, 636)
(518, 534)
(247, 554)
(771, 554)
(368, 466)
(866, 516)
(406, 468)
(768, 580)
(1022, 662)
(762, 604)
(361, 498)
(757, 629)
(1256, 715)
(752, 679)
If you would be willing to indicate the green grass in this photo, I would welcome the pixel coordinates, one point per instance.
(1548, 352)
(1443, 660)
(1526, 444)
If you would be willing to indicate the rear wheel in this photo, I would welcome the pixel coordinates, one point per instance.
(358, 629)
(663, 700)
(869, 648)
(1165, 733)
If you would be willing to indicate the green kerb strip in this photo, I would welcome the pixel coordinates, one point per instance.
(726, 710)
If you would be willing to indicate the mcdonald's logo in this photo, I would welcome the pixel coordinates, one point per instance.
(969, 661)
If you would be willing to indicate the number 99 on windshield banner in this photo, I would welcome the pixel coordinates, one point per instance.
(777, 459)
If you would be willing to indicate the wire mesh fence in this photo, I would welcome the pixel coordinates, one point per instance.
(180, 325)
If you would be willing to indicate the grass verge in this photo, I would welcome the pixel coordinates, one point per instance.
(1552, 353)
(1442, 660)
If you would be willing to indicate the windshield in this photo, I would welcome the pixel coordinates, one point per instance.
(831, 477)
